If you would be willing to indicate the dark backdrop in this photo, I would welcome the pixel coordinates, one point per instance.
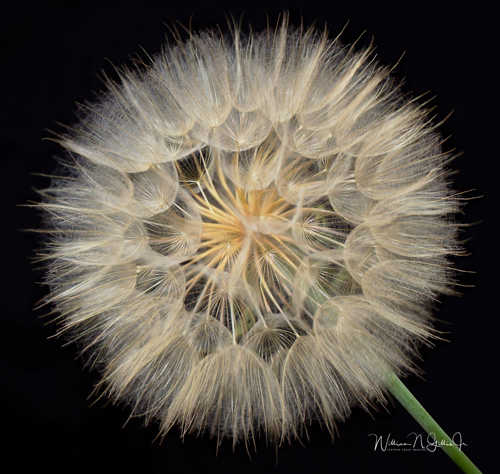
(51, 53)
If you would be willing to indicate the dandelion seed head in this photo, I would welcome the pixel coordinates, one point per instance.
(251, 233)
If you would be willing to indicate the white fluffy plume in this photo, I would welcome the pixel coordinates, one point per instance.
(250, 233)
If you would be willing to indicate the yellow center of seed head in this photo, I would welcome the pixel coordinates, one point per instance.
(249, 253)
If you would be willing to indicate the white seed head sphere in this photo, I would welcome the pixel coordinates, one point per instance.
(250, 233)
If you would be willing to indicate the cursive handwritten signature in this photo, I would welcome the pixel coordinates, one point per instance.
(417, 442)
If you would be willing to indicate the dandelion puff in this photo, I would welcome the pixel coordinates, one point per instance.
(251, 233)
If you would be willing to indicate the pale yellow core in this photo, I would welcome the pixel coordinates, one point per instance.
(245, 238)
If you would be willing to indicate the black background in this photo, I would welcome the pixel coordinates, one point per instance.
(51, 53)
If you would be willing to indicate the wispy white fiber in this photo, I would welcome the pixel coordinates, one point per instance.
(251, 233)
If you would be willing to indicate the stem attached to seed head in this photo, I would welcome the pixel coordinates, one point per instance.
(418, 412)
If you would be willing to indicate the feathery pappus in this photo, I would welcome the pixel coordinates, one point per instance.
(250, 232)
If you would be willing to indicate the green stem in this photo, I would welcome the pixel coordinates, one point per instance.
(415, 409)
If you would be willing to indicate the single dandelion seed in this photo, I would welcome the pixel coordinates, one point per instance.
(251, 233)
